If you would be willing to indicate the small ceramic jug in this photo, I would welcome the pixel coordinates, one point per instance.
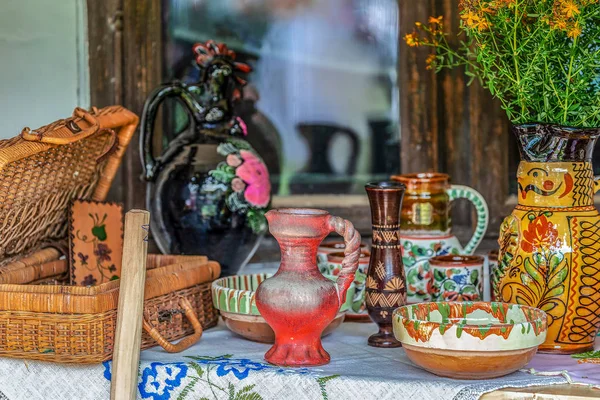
(209, 189)
(333, 266)
(298, 302)
(457, 278)
(425, 226)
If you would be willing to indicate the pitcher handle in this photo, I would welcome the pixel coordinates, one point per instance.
(596, 183)
(150, 164)
(351, 254)
(465, 192)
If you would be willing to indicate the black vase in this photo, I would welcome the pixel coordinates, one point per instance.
(209, 189)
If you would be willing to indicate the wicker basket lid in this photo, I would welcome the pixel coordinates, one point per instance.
(42, 170)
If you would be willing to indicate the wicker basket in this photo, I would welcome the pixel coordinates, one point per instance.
(41, 171)
(70, 324)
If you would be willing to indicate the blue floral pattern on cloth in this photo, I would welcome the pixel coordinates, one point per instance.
(159, 379)
(107, 371)
(241, 367)
(163, 380)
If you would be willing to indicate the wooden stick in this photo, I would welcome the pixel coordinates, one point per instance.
(128, 336)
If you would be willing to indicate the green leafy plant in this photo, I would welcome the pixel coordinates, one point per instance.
(540, 58)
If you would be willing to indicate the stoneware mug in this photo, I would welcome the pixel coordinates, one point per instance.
(457, 278)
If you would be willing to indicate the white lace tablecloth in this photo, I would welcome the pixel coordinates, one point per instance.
(225, 366)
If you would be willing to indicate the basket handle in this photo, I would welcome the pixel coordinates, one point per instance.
(54, 134)
(183, 343)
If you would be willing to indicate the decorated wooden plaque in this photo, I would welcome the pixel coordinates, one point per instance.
(96, 242)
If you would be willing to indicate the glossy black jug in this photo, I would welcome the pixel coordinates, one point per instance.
(209, 189)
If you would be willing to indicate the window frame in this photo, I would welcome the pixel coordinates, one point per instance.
(445, 125)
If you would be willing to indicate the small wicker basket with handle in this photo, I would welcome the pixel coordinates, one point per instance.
(71, 324)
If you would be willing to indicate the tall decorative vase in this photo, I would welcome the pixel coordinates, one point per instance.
(209, 189)
(385, 284)
(298, 302)
(549, 246)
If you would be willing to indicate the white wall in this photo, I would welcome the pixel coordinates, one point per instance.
(43, 62)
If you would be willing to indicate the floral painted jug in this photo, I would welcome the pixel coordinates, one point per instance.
(209, 189)
(425, 227)
(549, 246)
(298, 302)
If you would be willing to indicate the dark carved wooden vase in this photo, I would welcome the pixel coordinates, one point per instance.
(385, 284)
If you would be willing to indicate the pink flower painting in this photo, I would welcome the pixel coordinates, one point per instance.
(243, 126)
(254, 173)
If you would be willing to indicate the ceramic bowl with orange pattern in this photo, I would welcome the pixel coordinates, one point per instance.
(470, 340)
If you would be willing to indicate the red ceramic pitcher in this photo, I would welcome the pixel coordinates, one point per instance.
(298, 302)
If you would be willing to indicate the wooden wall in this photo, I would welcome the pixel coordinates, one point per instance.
(445, 125)
(449, 126)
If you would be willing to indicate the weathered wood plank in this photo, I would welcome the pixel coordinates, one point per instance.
(418, 95)
(489, 130)
(455, 146)
(142, 72)
(105, 43)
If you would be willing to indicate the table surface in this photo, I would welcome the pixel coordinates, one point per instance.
(222, 362)
(566, 391)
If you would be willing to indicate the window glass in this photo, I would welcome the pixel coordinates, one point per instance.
(321, 104)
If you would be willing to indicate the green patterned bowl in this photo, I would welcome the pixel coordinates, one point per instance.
(470, 340)
(234, 295)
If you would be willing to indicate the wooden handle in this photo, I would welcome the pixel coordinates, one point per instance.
(183, 343)
(128, 335)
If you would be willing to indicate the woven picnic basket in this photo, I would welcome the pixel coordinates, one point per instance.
(72, 324)
(41, 171)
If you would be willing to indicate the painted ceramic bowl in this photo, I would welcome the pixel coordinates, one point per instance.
(234, 297)
(470, 340)
(333, 266)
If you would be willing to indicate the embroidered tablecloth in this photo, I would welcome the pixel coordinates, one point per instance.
(225, 366)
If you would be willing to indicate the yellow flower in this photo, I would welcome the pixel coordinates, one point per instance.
(482, 25)
(560, 24)
(509, 3)
(412, 39)
(430, 61)
(570, 8)
(471, 19)
(418, 24)
(574, 31)
(437, 20)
